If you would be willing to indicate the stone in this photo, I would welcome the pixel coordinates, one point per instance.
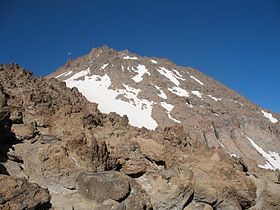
(71, 200)
(14, 169)
(90, 153)
(267, 191)
(150, 148)
(16, 116)
(138, 198)
(167, 194)
(49, 165)
(18, 194)
(3, 96)
(104, 185)
(4, 114)
(23, 131)
(198, 206)
(3, 170)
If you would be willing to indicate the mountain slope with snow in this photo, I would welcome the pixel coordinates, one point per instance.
(155, 93)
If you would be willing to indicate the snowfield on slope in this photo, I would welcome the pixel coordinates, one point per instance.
(269, 116)
(272, 158)
(138, 111)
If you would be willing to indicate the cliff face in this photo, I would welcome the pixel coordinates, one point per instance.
(155, 93)
(53, 136)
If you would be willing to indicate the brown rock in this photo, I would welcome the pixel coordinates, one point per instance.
(198, 206)
(104, 185)
(172, 193)
(138, 198)
(90, 153)
(3, 96)
(50, 166)
(18, 194)
(16, 116)
(23, 131)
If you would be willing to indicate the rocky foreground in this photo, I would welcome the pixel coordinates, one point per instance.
(58, 151)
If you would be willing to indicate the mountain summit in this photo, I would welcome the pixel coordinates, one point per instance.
(155, 93)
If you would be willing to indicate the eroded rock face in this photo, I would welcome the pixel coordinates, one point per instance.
(53, 136)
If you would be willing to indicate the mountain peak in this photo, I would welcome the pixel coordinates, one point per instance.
(155, 93)
(104, 50)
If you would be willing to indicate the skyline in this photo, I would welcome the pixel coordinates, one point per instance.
(235, 42)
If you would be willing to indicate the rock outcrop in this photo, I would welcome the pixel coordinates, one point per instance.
(15, 193)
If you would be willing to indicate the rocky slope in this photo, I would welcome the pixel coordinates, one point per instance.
(80, 158)
(155, 93)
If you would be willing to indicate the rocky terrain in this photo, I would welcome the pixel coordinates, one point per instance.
(58, 151)
(155, 93)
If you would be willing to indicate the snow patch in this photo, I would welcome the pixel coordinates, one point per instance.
(154, 61)
(178, 76)
(272, 158)
(197, 80)
(60, 75)
(64, 74)
(132, 90)
(169, 75)
(141, 70)
(214, 98)
(167, 106)
(162, 94)
(130, 58)
(104, 66)
(238, 103)
(175, 120)
(197, 93)
(189, 105)
(68, 73)
(269, 116)
(223, 146)
(96, 89)
(80, 74)
(173, 78)
(179, 91)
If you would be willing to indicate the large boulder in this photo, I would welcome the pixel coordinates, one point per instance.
(49, 165)
(104, 185)
(198, 206)
(90, 154)
(168, 189)
(221, 182)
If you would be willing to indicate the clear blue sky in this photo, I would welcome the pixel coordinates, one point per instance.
(237, 42)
